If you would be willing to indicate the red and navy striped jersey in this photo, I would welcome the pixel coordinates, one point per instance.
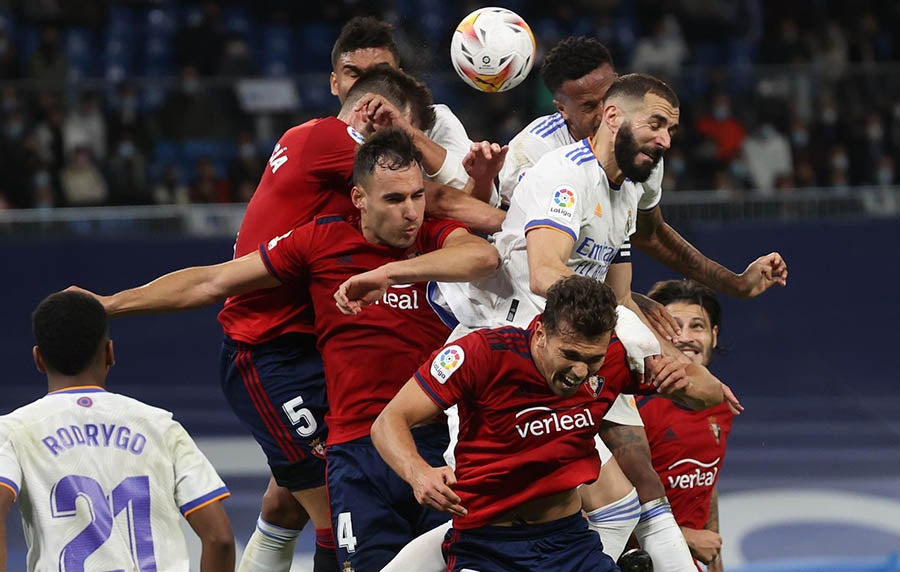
(308, 174)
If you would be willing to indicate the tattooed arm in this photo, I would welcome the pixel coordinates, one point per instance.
(660, 241)
(632, 451)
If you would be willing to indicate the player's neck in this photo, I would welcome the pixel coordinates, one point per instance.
(60, 382)
(605, 153)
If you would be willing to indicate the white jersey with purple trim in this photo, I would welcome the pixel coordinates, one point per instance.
(539, 137)
(102, 481)
(449, 132)
(566, 191)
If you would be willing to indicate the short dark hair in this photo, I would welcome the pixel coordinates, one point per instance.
(637, 85)
(364, 32)
(69, 328)
(398, 87)
(390, 148)
(579, 305)
(573, 58)
(691, 292)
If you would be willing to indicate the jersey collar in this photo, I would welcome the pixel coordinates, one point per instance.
(79, 389)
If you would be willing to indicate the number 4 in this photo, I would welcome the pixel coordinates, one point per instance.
(345, 538)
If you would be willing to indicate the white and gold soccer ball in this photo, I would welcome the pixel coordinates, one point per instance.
(492, 49)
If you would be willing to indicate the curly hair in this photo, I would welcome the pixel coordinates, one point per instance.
(364, 32)
(573, 58)
(69, 328)
(579, 305)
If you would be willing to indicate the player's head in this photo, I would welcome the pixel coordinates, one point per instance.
(363, 43)
(409, 95)
(389, 189)
(698, 313)
(572, 335)
(578, 71)
(641, 113)
(70, 329)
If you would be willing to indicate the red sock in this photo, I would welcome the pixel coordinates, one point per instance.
(325, 538)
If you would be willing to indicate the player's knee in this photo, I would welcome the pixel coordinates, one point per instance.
(279, 507)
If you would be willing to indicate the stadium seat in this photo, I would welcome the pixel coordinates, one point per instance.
(316, 41)
(277, 50)
(80, 49)
(237, 21)
(214, 149)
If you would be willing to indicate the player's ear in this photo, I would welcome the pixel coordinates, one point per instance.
(560, 108)
(38, 360)
(715, 337)
(612, 116)
(334, 84)
(358, 196)
(110, 354)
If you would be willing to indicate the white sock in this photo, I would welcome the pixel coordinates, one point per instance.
(423, 553)
(614, 523)
(659, 534)
(270, 548)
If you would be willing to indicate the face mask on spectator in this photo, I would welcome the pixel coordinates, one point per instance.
(4, 45)
(839, 162)
(874, 132)
(676, 165)
(800, 137)
(722, 112)
(247, 151)
(42, 179)
(829, 116)
(14, 129)
(126, 149)
(885, 175)
(190, 86)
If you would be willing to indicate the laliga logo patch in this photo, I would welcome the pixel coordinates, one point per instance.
(446, 362)
(355, 135)
(563, 204)
(595, 384)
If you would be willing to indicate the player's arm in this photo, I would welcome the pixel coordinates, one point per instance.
(444, 201)
(211, 524)
(461, 258)
(392, 437)
(191, 287)
(7, 498)
(548, 250)
(689, 384)
(659, 240)
(631, 449)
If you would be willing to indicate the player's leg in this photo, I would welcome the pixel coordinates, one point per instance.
(423, 553)
(611, 504)
(564, 545)
(271, 547)
(277, 390)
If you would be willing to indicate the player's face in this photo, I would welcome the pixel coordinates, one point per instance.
(697, 336)
(351, 64)
(567, 360)
(393, 205)
(580, 101)
(644, 136)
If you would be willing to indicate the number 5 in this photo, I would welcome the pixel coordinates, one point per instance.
(300, 416)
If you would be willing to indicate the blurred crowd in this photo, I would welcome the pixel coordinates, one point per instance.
(108, 102)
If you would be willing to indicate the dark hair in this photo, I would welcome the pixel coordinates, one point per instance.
(573, 58)
(364, 32)
(691, 292)
(637, 85)
(390, 148)
(69, 328)
(579, 305)
(398, 87)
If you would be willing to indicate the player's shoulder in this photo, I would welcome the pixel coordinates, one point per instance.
(321, 127)
(135, 406)
(544, 127)
(508, 339)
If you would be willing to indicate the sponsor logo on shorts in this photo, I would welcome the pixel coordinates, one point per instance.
(563, 204)
(703, 474)
(446, 362)
(548, 421)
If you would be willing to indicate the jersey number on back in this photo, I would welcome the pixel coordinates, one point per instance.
(278, 158)
(131, 496)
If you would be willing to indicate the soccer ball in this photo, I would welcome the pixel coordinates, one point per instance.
(492, 49)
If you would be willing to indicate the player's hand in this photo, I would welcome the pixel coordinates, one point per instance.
(381, 113)
(660, 318)
(705, 545)
(105, 300)
(763, 273)
(731, 399)
(432, 488)
(361, 290)
(667, 373)
(484, 160)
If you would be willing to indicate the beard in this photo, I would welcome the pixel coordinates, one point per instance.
(626, 150)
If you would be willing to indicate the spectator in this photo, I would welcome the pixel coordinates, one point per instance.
(190, 112)
(662, 52)
(48, 63)
(126, 116)
(171, 190)
(48, 135)
(209, 187)
(248, 166)
(127, 168)
(200, 43)
(236, 60)
(723, 129)
(82, 182)
(768, 157)
(86, 127)
(9, 57)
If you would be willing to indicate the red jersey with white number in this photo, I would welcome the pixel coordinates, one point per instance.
(308, 174)
(368, 357)
(518, 441)
(687, 448)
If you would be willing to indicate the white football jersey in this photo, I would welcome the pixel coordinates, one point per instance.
(449, 133)
(528, 146)
(567, 191)
(102, 481)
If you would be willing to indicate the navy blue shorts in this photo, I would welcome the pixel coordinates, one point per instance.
(373, 510)
(277, 390)
(564, 545)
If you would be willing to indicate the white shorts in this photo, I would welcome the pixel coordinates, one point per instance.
(624, 411)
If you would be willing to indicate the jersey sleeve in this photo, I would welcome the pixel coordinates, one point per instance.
(434, 231)
(196, 482)
(525, 150)
(330, 159)
(287, 256)
(10, 468)
(449, 133)
(551, 197)
(652, 188)
(455, 371)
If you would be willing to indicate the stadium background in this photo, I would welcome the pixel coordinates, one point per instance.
(791, 134)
